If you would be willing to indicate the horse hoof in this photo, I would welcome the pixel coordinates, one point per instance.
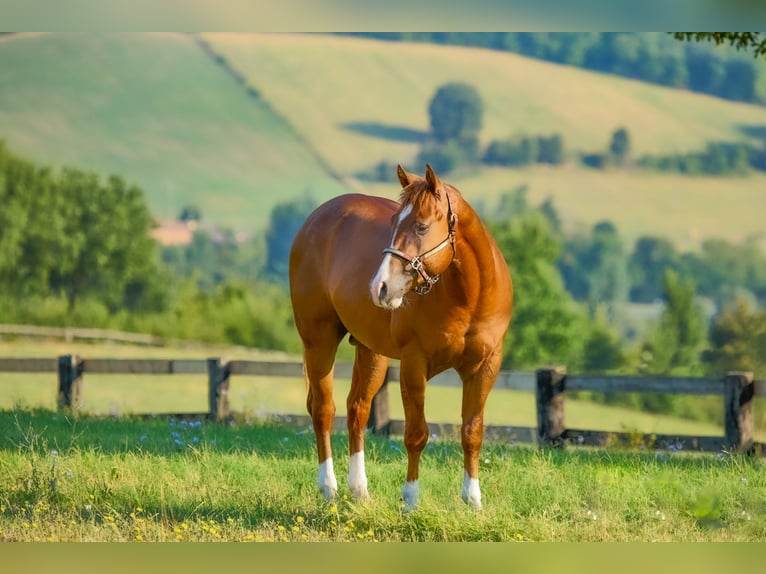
(473, 503)
(328, 492)
(360, 492)
(410, 495)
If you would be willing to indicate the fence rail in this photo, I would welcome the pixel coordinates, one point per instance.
(737, 390)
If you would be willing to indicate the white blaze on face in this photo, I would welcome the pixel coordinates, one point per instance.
(395, 284)
(357, 478)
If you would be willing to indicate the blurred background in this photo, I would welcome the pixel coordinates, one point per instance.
(152, 183)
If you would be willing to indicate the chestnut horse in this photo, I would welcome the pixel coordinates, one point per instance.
(421, 281)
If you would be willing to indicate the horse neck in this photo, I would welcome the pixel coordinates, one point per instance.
(474, 246)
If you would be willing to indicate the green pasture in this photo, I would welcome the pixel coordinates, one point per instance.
(155, 109)
(120, 479)
(158, 110)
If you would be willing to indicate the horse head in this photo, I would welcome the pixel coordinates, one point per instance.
(422, 240)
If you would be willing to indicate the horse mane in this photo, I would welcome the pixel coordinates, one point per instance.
(418, 194)
(415, 193)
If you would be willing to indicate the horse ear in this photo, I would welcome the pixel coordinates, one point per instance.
(404, 178)
(433, 180)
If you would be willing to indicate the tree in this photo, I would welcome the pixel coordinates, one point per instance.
(190, 213)
(285, 221)
(674, 344)
(551, 149)
(545, 327)
(651, 257)
(737, 340)
(455, 112)
(595, 269)
(748, 41)
(105, 250)
(619, 147)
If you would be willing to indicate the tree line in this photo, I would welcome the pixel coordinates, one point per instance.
(648, 56)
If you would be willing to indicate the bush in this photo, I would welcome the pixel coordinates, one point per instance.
(444, 158)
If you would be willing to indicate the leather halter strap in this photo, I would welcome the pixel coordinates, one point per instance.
(417, 263)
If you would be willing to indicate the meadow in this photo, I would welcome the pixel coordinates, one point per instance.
(121, 479)
(108, 475)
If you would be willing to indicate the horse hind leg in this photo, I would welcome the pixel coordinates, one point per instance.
(368, 376)
(319, 360)
(476, 388)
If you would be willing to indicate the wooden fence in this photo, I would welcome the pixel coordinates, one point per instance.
(737, 391)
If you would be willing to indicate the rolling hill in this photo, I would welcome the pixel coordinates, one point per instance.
(156, 109)
(321, 109)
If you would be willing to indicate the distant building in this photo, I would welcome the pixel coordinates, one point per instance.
(174, 232)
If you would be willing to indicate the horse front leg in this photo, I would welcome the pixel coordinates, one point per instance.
(477, 384)
(413, 387)
(367, 378)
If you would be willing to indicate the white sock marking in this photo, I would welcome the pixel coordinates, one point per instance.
(357, 478)
(471, 491)
(327, 482)
(410, 494)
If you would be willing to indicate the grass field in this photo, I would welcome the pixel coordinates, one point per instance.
(85, 479)
(97, 478)
(157, 109)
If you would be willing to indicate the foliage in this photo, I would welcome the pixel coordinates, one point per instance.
(675, 343)
(737, 340)
(215, 256)
(190, 213)
(455, 112)
(603, 349)
(545, 322)
(752, 41)
(443, 157)
(650, 259)
(619, 146)
(719, 158)
(284, 222)
(72, 234)
(525, 150)
(724, 270)
(594, 268)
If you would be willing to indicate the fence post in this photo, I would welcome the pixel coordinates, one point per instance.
(550, 405)
(380, 418)
(218, 371)
(738, 410)
(70, 382)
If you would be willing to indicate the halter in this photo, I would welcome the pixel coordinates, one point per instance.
(417, 263)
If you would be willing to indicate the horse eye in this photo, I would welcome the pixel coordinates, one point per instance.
(421, 228)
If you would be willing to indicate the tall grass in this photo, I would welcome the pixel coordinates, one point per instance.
(65, 478)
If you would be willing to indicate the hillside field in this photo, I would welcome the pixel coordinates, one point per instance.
(314, 111)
